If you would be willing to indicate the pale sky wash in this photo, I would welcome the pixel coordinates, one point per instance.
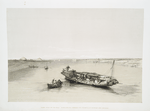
(75, 33)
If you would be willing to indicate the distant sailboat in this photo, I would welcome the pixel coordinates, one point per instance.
(90, 78)
(46, 67)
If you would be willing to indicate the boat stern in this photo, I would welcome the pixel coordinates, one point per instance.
(113, 82)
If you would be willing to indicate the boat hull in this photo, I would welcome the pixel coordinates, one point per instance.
(100, 81)
(55, 85)
(84, 82)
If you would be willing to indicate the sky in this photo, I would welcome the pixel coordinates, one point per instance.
(75, 33)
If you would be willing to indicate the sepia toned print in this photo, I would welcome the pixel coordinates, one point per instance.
(29, 84)
(75, 55)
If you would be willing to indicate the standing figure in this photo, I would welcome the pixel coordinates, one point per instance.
(53, 81)
(67, 68)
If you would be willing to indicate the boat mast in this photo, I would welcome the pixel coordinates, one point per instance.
(112, 68)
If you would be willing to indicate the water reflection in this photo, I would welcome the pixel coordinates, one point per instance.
(122, 90)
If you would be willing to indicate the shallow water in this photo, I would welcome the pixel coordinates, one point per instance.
(32, 86)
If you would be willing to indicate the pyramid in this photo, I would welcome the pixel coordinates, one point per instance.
(23, 58)
(39, 59)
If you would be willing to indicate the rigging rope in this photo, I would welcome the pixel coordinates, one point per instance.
(110, 69)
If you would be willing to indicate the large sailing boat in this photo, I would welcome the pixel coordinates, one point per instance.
(90, 78)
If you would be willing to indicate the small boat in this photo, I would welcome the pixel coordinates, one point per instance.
(33, 66)
(90, 78)
(46, 67)
(57, 84)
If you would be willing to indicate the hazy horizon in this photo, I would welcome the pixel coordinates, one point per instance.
(71, 58)
(75, 33)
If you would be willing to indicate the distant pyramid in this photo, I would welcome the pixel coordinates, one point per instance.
(23, 58)
(39, 59)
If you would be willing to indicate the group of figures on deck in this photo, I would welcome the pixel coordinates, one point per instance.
(55, 84)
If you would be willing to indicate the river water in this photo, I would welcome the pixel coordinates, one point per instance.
(32, 85)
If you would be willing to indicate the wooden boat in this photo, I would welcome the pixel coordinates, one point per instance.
(33, 66)
(90, 78)
(55, 85)
(46, 67)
